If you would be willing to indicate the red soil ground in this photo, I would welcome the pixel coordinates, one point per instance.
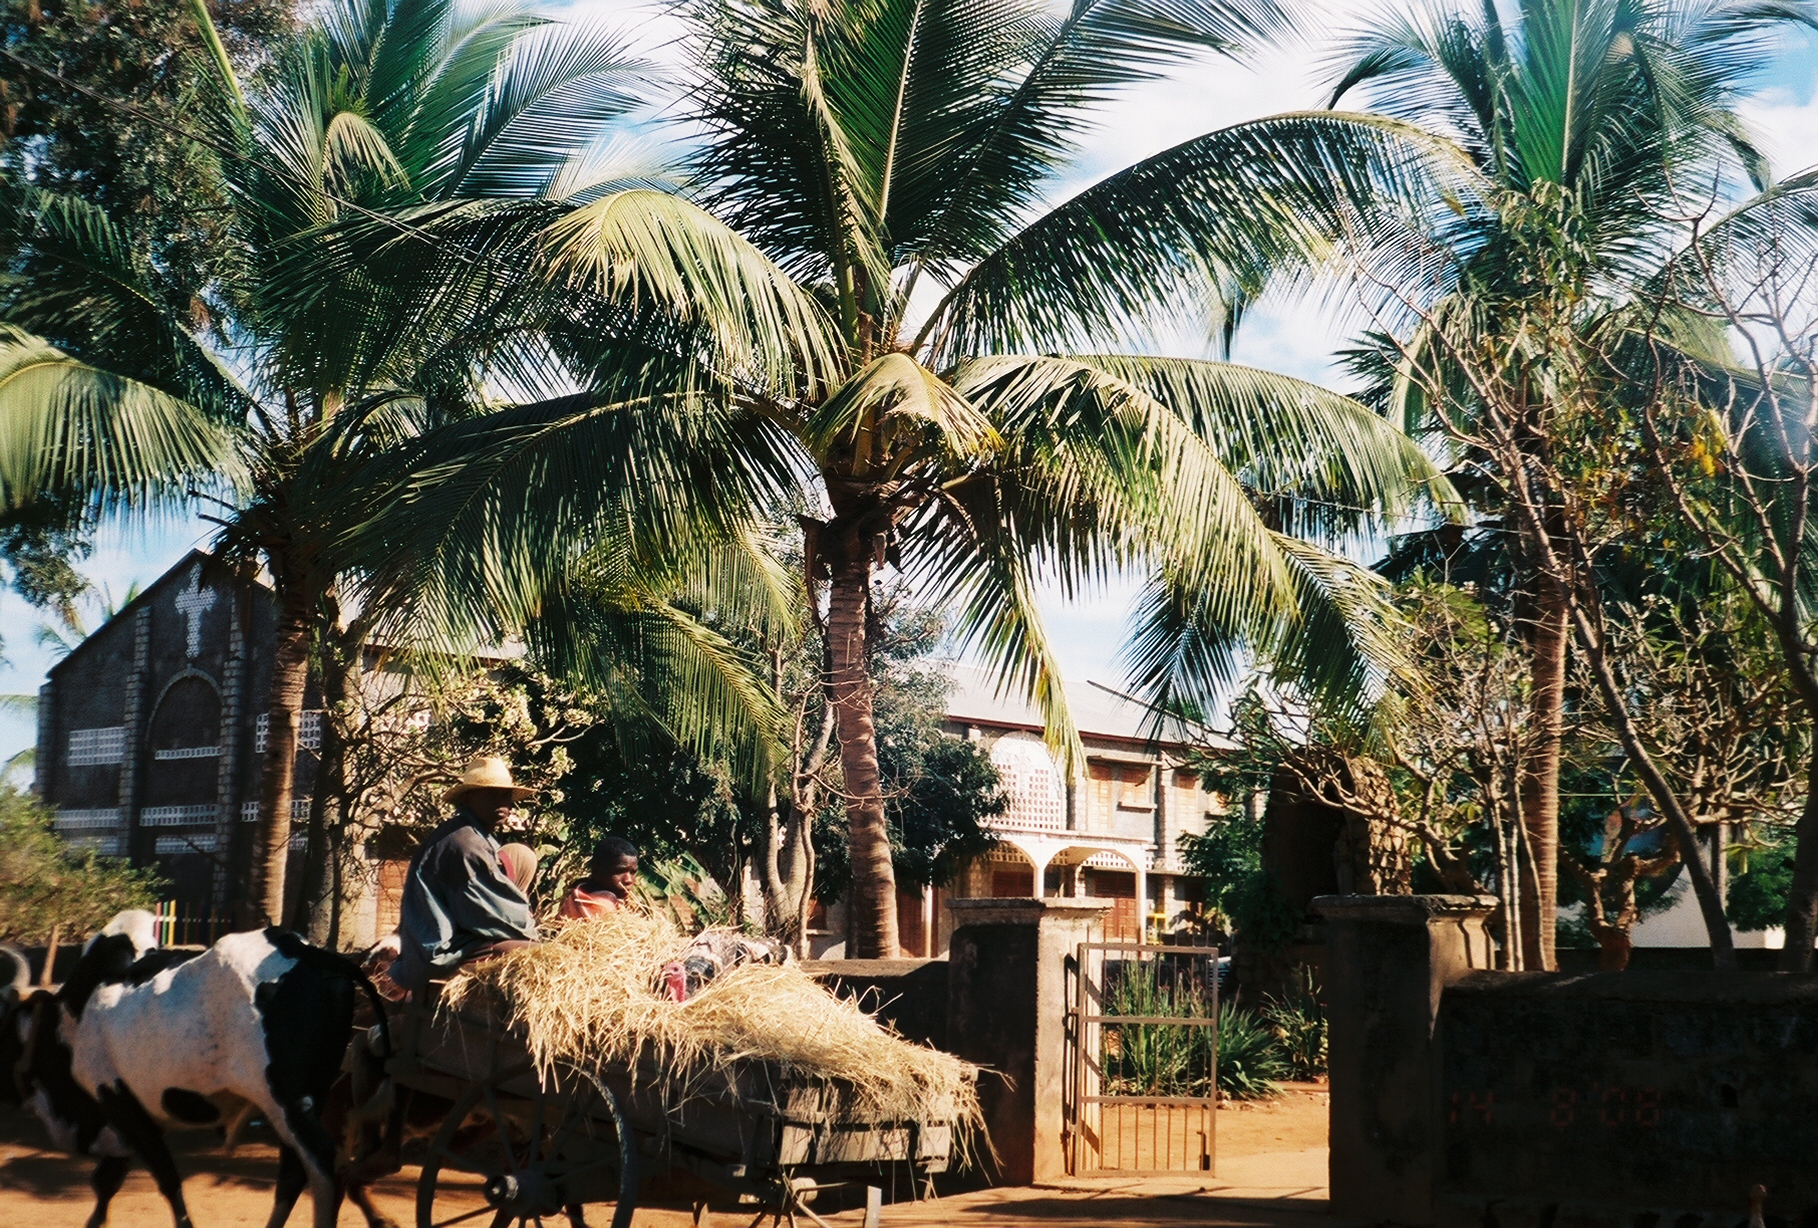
(1271, 1163)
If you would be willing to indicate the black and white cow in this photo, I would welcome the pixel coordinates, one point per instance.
(137, 1041)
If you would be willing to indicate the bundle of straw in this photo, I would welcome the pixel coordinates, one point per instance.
(589, 997)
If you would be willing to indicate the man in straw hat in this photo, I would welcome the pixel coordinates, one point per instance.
(459, 902)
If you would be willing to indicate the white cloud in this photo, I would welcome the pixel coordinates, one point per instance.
(1786, 126)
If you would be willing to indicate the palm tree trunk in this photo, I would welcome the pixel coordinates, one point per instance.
(289, 675)
(324, 851)
(872, 902)
(1540, 775)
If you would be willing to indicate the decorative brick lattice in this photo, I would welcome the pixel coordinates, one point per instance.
(309, 730)
(176, 816)
(299, 810)
(1031, 785)
(167, 846)
(86, 820)
(97, 747)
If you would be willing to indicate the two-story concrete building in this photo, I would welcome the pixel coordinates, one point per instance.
(1112, 829)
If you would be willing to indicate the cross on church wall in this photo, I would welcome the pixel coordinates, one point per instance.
(192, 603)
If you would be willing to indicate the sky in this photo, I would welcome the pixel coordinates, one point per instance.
(1296, 338)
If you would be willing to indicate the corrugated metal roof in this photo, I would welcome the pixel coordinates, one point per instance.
(1099, 711)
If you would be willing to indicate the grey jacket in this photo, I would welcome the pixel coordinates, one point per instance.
(456, 901)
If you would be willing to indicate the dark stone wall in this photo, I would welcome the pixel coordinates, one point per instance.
(1469, 1098)
(908, 995)
(991, 1020)
(89, 693)
(1617, 1095)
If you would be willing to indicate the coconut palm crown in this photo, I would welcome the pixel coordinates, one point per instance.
(859, 297)
(288, 374)
(1608, 122)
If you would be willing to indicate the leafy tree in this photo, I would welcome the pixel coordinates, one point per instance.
(41, 541)
(116, 142)
(940, 792)
(859, 297)
(1758, 895)
(310, 369)
(1581, 118)
(1717, 417)
(46, 885)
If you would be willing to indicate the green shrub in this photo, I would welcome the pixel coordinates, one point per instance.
(1250, 1058)
(45, 883)
(1299, 1024)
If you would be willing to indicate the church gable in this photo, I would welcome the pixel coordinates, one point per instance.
(146, 728)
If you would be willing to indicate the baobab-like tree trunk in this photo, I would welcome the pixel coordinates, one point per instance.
(1802, 897)
(1540, 775)
(872, 899)
(289, 675)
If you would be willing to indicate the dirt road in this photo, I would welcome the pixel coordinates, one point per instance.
(1272, 1154)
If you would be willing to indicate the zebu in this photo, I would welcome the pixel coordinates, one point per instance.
(137, 1041)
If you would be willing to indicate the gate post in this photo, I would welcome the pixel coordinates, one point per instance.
(1388, 957)
(1006, 1009)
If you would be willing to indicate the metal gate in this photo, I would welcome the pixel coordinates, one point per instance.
(1142, 1037)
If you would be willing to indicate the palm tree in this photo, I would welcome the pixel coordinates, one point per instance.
(1598, 111)
(114, 386)
(858, 302)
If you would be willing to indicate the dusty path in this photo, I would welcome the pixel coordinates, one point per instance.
(1271, 1174)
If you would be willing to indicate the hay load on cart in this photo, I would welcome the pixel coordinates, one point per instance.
(759, 1083)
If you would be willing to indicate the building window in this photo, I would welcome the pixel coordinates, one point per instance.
(170, 846)
(1134, 788)
(186, 752)
(1012, 884)
(299, 810)
(309, 730)
(97, 747)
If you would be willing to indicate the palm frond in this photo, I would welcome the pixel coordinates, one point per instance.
(903, 410)
(83, 282)
(643, 246)
(981, 563)
(1241, 206)
(661, 637)
(67, 426)
(482, 520)
(1340, 642)
(550, 97)
(1288, 439)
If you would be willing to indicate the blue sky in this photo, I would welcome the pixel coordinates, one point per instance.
(1296, 338)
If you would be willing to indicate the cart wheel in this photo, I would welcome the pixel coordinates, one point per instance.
(530, 1152)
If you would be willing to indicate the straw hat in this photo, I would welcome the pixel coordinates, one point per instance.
(486, 772)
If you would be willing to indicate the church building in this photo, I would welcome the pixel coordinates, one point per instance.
(150, 733)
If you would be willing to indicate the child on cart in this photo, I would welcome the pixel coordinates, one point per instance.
(607, 888)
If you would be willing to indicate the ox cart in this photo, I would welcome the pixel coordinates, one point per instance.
(538, 1145)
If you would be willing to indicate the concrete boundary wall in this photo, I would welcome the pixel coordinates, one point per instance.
(1469, 1098)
